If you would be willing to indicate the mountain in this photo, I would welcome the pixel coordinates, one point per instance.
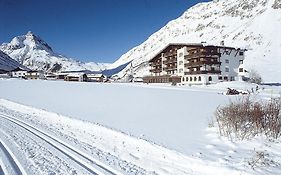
(7, 63)
(251, 24)
(31, 51)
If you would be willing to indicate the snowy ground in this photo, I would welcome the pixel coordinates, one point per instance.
(176, 118)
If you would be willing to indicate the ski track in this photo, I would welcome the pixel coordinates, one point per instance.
(90, 164)
(15, 166)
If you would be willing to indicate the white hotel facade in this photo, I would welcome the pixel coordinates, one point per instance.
(196, 64)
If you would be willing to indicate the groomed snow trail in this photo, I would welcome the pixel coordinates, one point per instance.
(12, 165)
(90, 164)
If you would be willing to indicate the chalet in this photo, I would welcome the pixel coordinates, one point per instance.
(61, 75)
(76, 77)
(96, 77)
(34, 75)
(5, 75)
(137, 79)
(50, 76)
(19, 73)
(195, 64)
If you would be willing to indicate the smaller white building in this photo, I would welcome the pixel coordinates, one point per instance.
(96, 77)
(50, 76)
(19, 73)
(34, 75)
(76, 77)
(137, 79)
(243, 74)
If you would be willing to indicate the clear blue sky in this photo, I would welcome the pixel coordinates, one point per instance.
(89, 30)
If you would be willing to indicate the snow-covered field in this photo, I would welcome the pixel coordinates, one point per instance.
(58, 127)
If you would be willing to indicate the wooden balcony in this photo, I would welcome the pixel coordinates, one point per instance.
(170, 54)
(155, 70)
(169, 61)
(203, 72)
(202, 55)
(155, 64)
(202, 63)
(169, 68)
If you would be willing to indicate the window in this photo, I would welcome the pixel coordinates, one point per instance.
(241, 53)
(240, 69)
(180, 62)
(199, 78)
(226, 61)
(186, 79)
(195, 79)
(180, 54)
(226, 69)
(220, 77)
(241, 61)
(190, 78)
(181, 70)
(227, 52)
(225, 78)
(210, 78)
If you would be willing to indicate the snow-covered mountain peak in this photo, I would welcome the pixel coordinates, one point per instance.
(33, 52)
(29, 40)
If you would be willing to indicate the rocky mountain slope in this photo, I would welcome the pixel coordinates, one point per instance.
(7, 63)
(31, 51)
(251, 24)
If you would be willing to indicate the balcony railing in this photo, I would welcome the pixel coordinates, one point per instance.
(170, 61)
(155, 64)
(201, 63)
(170, 68)
(155, 70)
(169, 54)
(203, 72)
(202, 55)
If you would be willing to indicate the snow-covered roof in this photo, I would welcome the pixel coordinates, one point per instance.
(75, 74)
(94, 75)
(61, 73)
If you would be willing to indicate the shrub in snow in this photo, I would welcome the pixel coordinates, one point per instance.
(260, 158)
(247, 118)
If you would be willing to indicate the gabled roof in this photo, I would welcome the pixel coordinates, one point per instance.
(95, 75)
(18, 69)
(75, 74)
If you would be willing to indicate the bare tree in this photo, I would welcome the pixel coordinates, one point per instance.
(255, 77)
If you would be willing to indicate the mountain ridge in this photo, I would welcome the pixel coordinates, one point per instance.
(251, 24)
(33, 52)
(8, 64)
